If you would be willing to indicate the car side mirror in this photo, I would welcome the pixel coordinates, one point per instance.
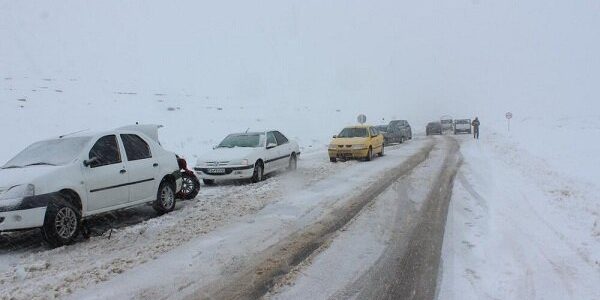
(335, 136)
(271, 145)
(89, 162)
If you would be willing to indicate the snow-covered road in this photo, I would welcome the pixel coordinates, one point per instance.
(518, 229)
(204, 240)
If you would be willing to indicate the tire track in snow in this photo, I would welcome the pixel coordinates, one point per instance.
(256, 280)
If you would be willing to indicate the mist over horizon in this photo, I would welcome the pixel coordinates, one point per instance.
(421, 60)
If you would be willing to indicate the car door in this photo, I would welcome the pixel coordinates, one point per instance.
(142, 168)
(376, 140)
(105, 176)
(272, 153)
(285, 149)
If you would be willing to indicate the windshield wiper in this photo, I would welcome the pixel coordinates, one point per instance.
(40, 164)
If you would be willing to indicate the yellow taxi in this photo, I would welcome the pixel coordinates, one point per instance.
(358, 142)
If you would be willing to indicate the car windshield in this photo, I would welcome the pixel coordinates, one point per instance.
(382, 128)
(463, 121)
(352, 132)
(446, 121)
(249, 140)
(54, 152)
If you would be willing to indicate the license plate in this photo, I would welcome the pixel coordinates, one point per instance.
(216, 171)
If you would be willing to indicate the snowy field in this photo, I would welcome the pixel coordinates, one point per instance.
(524, 221)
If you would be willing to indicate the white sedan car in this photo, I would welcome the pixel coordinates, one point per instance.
(56, 183)
(248, 155)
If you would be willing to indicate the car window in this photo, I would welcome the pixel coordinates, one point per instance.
(351, 132)
(135, 147)
(271, 138)
(105, 151)
(373, 131)
(281, 139)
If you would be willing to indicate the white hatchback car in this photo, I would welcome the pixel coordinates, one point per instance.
(56, 183)
(248, 155)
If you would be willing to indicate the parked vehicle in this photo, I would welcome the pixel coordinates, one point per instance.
(447, 123)
(402, 128)
(462, 126)
(190, 185)
(392, 134)
(56, 183)
(249, 155)
(433, 128)
(358, 142)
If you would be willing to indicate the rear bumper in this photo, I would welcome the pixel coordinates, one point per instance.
(22, 219)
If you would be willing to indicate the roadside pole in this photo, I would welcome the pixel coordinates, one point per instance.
(509, 116)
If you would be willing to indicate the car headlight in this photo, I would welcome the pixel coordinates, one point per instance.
(359, 147)
(244, 162)
(332, 146)
(18, 192)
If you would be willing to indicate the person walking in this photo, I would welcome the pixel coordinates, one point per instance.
(475, 125)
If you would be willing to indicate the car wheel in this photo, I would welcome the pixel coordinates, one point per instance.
(165, 198)
(62, 222)
(293, 164)
(370, 154)
(208, 181)
(332, 159)
(190, 187)
(259, 172)
(382, 150)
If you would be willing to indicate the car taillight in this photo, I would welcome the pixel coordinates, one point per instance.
(182, 163)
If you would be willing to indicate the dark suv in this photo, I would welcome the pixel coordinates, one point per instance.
(402, 129)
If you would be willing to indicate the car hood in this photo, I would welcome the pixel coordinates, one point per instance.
(226, 154)
(350, 141)
(15, 176)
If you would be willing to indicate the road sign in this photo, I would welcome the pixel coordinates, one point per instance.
(509, 115)
(362, 119)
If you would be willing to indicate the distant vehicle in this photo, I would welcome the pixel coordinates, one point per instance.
(403, 128)
(433, 128)
(56, 183)
(388, 137)
(462, 126)
(358, 142)
(249, 155)
(447, 123)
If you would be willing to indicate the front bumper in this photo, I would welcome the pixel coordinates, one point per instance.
(22, 219)
(228, 172)
(348, 153)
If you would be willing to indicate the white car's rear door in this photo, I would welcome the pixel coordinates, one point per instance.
(142, 168)
(272, 154)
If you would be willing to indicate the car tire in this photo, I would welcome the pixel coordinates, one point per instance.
(62, 222)
(259, 172)
(332, 159)
(370, 154)
(293, 164)
(190, 187)
(165, 198)
(382, 151)
(208, 181)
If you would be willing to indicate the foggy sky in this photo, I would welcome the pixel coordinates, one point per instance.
(418, 57)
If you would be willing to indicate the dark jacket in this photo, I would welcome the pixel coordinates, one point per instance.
(475, 123)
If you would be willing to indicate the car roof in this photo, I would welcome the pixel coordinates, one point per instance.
(148, 130)
(359, 126)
